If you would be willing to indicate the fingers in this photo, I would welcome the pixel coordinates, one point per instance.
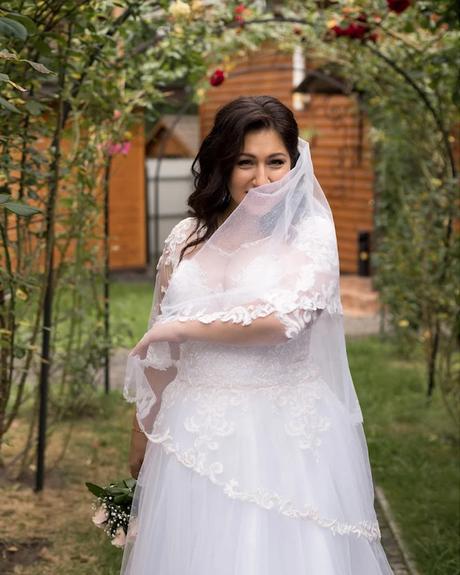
(134, 470)
(140, 349)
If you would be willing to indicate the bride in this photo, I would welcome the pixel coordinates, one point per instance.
(247, 438)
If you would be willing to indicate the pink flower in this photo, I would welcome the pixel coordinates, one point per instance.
(125, 147)
(118, 148)
(398, 6)
(238, 12)
(217, 77)
(119, 539)
(100, 517)
(116, 114)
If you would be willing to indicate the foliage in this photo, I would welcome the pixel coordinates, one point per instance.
(75, 80)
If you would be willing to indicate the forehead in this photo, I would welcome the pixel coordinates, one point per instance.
(263, 142)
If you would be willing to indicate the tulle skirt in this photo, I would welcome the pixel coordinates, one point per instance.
(198, 511)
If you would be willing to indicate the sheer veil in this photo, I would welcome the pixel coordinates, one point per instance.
(275, 254)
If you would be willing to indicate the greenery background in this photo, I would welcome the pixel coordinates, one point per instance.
(73, 74)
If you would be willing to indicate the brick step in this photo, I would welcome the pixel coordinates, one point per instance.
(358, 297)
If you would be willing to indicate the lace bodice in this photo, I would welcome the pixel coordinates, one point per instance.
(294, 308)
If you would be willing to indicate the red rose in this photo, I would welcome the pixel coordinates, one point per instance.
(239, 9)
(357, 31)
(353, 30)
(217, 77)
(398, 6)
(239, 19)
(338, 31)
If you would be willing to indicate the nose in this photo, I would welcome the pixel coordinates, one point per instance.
(260, 176)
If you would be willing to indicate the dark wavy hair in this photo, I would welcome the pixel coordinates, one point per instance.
(220, 149)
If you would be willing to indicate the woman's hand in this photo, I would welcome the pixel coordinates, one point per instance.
(137, 448)
(137, 452)
(171, 331)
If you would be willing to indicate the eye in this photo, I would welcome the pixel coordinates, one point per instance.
(244, 162)
(278, 162)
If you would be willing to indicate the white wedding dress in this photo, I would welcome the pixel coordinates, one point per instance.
(253, 466)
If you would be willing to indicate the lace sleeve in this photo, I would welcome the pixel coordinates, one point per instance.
(146, 379)
(313, 271)
(176, 240)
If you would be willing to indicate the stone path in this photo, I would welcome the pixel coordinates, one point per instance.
(393, 551)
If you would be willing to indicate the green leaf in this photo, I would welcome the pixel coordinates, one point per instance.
(130, 483)
(19, 351)
(34, 107)
(120, 499)
(11, 28)
(39, 67)
(5, 104)
(27, 22)
(21, 209)
(4, 78)
(4, 198)
(95, 489)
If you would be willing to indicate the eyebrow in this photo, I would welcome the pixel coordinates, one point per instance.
(270, 156)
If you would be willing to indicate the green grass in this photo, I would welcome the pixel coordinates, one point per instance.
(414, 449)
(130, 304)
(98, 452)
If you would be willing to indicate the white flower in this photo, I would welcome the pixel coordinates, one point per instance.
(119, 539)
(179, 9)
(100, 517)
(197, 5)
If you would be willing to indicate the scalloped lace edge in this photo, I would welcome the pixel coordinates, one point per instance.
(246, 314)
(269, 499)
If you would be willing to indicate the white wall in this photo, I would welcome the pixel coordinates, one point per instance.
(174, 188)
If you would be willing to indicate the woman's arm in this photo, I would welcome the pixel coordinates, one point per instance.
(267, 330)
(262, 331)
(137, 448)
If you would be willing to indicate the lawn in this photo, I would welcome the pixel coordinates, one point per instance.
(413, 448)
(130, 306)
(59, 520)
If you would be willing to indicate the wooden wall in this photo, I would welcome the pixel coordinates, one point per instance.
(127, 207)
(331, 124)
(342, 160)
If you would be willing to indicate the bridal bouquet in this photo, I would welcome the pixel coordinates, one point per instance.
(113, 507)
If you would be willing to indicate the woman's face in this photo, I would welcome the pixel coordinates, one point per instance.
(263, 159)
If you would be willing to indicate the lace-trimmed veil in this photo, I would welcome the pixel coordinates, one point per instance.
(275, 254)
